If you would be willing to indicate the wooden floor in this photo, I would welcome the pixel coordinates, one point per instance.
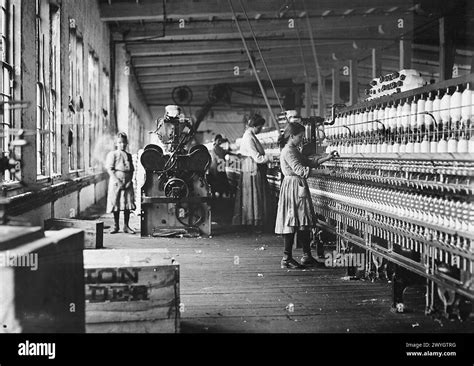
(229, 284)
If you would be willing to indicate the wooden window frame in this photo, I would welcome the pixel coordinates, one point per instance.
(55, 90)
(94, 84)
(76, 95)
(6, 84)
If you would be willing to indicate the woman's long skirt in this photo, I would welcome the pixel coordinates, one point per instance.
(253, 201)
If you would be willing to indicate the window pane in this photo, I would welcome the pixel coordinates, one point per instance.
(5, 75)
(39, 126)
(55, 61)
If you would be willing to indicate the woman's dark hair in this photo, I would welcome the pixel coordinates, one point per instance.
(123, 136)
(291, 129)
(256, 120)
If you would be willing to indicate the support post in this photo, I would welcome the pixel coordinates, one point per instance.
(353, 82)
(336, 86)
(405, 54)
(446, 50)
(321, 99)
(308, 102)
(376, 63)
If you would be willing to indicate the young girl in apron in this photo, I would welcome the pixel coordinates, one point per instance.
(120, 195)
(295, 207)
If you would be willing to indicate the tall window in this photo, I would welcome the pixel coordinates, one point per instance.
(40, 127)
(42, 150)
(94, 104)
(48, 118)
(105, 105)
(72, 92)
(79, 143)
(55, 91)
(76, 102)
(5, 83)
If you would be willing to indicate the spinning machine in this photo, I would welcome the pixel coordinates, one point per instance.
(175, 194)
(401, 192)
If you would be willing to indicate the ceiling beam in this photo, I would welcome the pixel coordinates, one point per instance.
(238, 82)
(183, 70)
(241, 83)
(350, 33)
(211, 57)
(219, 67)
(131, 11)
(366, 26)
(202, 47)
(276, 72)
(181, 9)
(198, 60)
(205, 59)
(240, 89)
(214, 79)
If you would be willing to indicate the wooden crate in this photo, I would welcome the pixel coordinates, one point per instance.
(42, 290)
(14, 236)
(93, 230)
(131, 291)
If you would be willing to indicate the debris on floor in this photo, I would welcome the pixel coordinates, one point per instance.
(350, 278)
(176, 232)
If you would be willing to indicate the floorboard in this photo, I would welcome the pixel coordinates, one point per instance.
(253, 295)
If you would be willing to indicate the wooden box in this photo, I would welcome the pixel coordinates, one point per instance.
(93, 230)
(131, 291)
(41, 280)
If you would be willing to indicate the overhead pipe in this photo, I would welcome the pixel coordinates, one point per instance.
(316, 62)
(261, 56)
(274, 120)
(305, 70)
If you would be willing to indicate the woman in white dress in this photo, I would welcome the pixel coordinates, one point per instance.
(253, 200)
(295, 208)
